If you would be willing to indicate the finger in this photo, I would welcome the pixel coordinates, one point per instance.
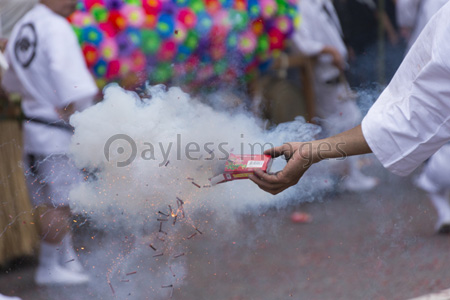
(265, 180)
(269, 178)
(280, 150)
(274, 152)
(286, 149)
(264, 185)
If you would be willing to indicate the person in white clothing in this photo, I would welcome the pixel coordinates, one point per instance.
(413, 15)
(408, 123)
(48, 69)
(320, 36)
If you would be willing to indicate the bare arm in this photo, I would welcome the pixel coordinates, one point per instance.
(302, 155)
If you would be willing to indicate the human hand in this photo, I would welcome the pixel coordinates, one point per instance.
(298, 161)
(301, 156)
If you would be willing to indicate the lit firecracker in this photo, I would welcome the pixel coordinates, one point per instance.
(179, 202)
(175, 219)
(151, 246)
(180, 206)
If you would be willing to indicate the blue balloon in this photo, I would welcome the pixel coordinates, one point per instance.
(165, 26)
(92, 35)
(204, 23)
(183, 53)
(100, 68)
(253, 9)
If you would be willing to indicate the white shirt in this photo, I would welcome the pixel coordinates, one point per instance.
(411, 118)
(415, 14)
(320, 27)
(47, 68)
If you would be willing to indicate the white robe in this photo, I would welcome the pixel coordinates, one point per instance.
(411, 119)
(48, 69)
(320, 27)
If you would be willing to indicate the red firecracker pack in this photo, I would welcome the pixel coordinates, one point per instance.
(241, 167)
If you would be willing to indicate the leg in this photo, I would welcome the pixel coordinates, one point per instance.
(435, 180)
(54, 224)
(442, 206)
(49, 183)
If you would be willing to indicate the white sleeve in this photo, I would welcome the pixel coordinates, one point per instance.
(403, 133)
(69, 73)
(407, 11)
(303, 36)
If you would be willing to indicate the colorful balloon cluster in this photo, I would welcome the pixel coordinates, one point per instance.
(189, 41)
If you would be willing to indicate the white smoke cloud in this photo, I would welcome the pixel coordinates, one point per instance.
(158, 169)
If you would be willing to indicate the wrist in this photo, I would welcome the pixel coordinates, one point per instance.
(311, 152)
(316, 151)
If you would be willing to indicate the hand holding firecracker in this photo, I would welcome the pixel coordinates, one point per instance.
(299, 159)
(240, 167)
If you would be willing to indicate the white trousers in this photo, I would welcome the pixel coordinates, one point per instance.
(435, 177)
(50, 179)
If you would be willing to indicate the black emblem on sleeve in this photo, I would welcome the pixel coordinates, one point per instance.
(25, 45)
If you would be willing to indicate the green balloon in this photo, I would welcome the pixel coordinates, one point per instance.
(263, 44)
(239, 19)
(100, 13)
(134, 2)
(220, 67)
(197, 5)
(150, 41)
(282, 7)
(191, 40)
(78, 33)
(162, 73)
